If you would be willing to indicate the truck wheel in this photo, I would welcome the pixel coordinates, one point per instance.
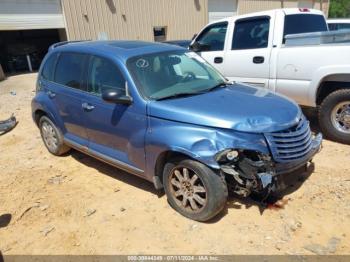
(334, 116)
(52, 137)
(194, 190)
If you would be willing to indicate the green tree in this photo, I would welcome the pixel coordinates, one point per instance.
(339, 9)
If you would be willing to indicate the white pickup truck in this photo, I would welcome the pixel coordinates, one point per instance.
(312, 69)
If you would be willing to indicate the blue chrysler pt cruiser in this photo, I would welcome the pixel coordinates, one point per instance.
(163, 113)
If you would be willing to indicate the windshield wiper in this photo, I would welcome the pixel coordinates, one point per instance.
(176, 95)
(219, 85)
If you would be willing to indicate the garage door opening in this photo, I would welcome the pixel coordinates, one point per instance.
(23, 50)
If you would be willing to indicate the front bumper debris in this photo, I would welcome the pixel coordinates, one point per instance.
(7, 125)
(254, 172)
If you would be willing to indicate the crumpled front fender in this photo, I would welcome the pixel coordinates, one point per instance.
(198, 142)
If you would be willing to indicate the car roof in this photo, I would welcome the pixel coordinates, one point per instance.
(122, 49)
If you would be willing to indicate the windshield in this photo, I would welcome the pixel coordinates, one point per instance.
(170, 74)
(302, 23)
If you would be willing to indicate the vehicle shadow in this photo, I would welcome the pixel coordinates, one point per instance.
(311, 115)
(5, 220)
(115, 173)
(287, 184)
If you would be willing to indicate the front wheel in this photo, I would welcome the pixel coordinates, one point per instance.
(194, 190)
(334, 116)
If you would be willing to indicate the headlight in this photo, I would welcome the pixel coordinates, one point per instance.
(228, 154)
(231, 155)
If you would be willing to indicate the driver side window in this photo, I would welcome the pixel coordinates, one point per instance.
(104, 75)
(213, 37)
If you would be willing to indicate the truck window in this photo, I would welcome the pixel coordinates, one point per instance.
(213, 36)
(251, 34)
(301, 23)
(338, 26)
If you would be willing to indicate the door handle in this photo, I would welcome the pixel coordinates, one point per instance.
(258, 59)
(87, 107)
(51, 94)
(41, 84)
(218, 60)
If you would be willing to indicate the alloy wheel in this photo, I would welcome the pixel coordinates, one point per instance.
(340, 117)
(188, 189)
(49, 136)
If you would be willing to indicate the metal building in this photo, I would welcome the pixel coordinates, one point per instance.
(29, 27)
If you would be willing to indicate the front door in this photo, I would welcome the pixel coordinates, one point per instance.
(115, 131)
(212, 42)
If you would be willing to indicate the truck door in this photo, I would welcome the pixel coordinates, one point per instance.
(210, 44)
(247, 57)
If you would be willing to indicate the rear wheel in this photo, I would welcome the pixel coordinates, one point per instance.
(52, 137)
(334, 116)
(194, 190)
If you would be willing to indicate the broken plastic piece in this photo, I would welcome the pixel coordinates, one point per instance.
(266, 179)
(8, 125)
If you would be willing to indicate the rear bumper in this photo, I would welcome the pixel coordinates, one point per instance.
(283, 168)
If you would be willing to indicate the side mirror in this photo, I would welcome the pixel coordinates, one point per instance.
(198, 47)
(113, 96)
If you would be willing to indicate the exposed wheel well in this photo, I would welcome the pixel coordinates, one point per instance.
(328, 87)
(163, 158)
(38, 114)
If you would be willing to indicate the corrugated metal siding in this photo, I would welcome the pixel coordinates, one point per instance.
(125, 19)
(249, 6)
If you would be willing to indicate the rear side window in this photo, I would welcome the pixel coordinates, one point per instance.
(49, 67)
(302, 23)
(339, 26)
(69, 70)
(251, 34)
(104, 75)
(214, 36)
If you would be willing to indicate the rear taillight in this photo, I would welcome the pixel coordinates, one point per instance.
(304, 9)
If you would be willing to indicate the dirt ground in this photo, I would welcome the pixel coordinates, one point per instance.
(77, 205)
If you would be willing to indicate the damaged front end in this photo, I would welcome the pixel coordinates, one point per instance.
(247, 171)
(250, 171)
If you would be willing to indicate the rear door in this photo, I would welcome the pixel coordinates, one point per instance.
(66, 91)
(247, 57)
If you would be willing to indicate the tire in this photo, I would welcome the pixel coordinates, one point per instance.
(215, 195)
(52, 137)
(327, 123)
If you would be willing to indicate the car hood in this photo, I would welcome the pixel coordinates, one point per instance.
(238, 107)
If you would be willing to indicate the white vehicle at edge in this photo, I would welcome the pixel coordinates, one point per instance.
(311, 68)
(338, 24)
